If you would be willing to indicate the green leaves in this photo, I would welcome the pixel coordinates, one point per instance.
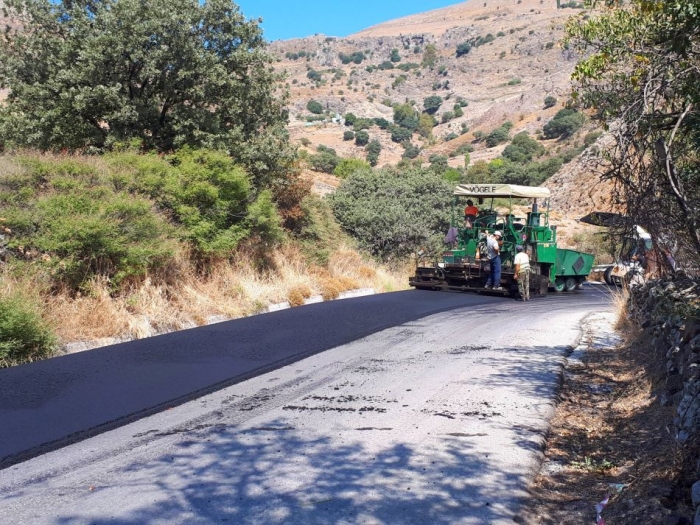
(131, 215)
(170, 73)
(640, 75)
(23, 334)
(394, 213)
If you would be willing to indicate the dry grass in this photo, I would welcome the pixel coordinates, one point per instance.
(231, 290)
(607, 415)
(623, 323)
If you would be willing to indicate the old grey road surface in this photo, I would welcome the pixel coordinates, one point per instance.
(438, 420)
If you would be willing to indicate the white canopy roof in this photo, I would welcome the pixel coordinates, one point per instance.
(502, 190)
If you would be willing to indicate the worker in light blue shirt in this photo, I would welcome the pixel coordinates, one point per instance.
(493, 252)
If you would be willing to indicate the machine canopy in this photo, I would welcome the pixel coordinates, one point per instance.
(502, 190)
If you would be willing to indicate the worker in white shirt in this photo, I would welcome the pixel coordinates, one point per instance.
(522, 272)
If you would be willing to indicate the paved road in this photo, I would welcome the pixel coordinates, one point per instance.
(51, 403)
(438, 419)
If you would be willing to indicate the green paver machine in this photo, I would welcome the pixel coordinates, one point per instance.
(464, 266)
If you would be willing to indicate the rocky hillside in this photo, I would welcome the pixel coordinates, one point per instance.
(515, 61)
(496, 61)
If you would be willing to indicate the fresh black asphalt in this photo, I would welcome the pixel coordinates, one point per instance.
(51, 403)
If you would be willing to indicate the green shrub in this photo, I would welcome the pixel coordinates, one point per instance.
(463, 49)
(522, 148)
(361, 138)
(410, 151)
(399, 134)
(497, 136)
(447, 116)
(362, 123)
(482, 40)
(357, 57)
(564, 124)
(549, 101)
(452, 175)
(387, 64)
(408, 66)
(382, 123)
(429, 56)
(324, 162)
(395, 57)
(438, 163)
(24, 336)
(373, 150)
(347, 166)
(91, 232)
(203, 190)
(406, 116)
(464, 148)
(348, 135)
(432, 103)
(133, 215)
(426, 123)
(394, 212)
(401, 79)
(320, 234)
(514, 81)
(314, 107)
(314, 75)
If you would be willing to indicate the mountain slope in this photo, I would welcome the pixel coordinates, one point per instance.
(505, 79)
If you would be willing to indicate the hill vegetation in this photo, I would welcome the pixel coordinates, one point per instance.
(190, 187)
(199, 166)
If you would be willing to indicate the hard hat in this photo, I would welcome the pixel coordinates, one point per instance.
(498, 232)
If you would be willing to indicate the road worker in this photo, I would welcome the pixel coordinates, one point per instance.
(522, 272)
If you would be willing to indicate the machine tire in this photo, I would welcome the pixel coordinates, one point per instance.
(607, 276)
(559, 285)
(570, 284)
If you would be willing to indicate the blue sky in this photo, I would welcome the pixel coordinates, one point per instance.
(284, 19)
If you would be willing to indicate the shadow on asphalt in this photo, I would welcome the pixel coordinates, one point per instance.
(226, 473)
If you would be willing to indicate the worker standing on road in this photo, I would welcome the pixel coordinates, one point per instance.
(493, 251)
(522, 272)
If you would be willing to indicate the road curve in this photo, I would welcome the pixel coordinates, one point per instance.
(438, 420)
(48, 404)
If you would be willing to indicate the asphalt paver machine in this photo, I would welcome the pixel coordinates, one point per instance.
(464, 265)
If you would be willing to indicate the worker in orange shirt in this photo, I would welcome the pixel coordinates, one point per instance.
(470, 213)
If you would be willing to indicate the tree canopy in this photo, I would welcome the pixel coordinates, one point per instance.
(639, 75)
(87, 74)
(394, 212)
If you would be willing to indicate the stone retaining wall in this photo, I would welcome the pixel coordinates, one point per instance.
(669, 310)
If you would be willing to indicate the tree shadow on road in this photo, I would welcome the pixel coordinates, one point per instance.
(283, 472)
(279, 476)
